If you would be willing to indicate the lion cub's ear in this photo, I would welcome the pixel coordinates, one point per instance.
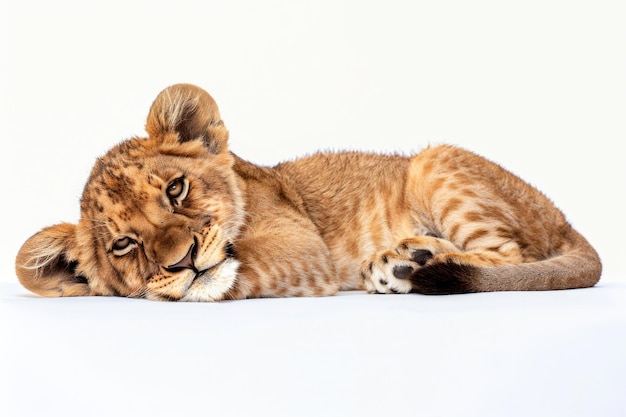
(190, 112)
(43, 264)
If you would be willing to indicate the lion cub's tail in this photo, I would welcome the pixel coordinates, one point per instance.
(577, 266)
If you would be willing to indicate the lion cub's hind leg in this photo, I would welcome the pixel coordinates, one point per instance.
(389, 272)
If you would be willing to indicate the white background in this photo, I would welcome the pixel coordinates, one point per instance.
(538, 86)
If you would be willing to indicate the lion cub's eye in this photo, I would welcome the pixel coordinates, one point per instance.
(122, 246)
(177, 190)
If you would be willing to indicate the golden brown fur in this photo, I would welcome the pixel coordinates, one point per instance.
(176, 216)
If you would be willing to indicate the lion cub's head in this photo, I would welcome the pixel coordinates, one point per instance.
(159, 215)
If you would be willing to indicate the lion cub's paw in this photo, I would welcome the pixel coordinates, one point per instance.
(390, 272)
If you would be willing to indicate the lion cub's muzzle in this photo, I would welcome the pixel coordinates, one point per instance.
(203, 261)
(187, 262)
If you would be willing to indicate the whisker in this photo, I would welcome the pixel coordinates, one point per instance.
(138, 293)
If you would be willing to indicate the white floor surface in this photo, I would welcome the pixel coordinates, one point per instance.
(500, 354)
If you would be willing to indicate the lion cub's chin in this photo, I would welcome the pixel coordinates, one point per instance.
(214, 284)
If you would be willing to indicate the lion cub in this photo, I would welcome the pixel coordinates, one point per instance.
(176, 216)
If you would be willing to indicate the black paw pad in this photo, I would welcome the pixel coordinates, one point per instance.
(421, 256)
(402, 271)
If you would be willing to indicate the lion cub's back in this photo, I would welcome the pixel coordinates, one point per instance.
(357, 202)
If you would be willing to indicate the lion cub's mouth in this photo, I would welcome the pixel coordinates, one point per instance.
(200, 274)
(214, 281)
(229, 252)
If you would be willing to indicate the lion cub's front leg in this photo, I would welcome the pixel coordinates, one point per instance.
(388, 272)
(284, 257)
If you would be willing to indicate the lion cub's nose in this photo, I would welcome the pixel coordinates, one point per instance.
(186, 262)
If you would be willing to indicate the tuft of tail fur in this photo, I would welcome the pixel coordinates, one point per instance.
(577, 266)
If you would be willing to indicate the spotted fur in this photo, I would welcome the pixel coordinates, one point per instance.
(176, 216)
